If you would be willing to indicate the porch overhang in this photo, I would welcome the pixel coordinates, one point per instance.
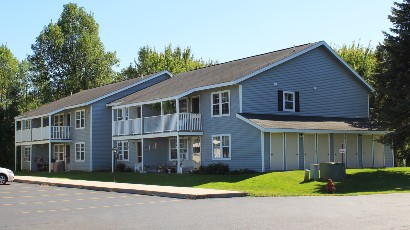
(156, 135)
(305, 124)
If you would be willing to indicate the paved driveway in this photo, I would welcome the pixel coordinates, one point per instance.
(29, 206)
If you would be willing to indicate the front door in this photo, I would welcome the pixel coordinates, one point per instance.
(67, 157)
(309, 149)
(139, 152)
(195, 104)
(59, 157)
(276, 158)
(196, 152)
(323, 148)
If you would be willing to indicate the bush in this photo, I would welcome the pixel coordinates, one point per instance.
(215, 169)
(242, 171)
(120, 167)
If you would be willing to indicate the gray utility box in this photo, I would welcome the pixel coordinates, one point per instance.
(332, 170)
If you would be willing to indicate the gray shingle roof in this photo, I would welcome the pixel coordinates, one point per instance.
(212, 75)
(82, 97)
(289, 122)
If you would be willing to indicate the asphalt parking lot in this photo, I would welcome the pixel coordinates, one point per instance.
(31, 206)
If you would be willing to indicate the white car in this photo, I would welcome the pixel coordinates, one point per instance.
(6, 175)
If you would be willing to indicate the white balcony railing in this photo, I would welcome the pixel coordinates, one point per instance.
(127, 127)
(43, 133)
(60, 133)
(153, 124)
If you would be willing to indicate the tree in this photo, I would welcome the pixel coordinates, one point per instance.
(68, 56)
(9, 100)
(362, 59)
(392, 80)
(174, 60)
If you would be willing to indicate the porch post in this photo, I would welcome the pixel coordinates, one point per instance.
(316, 157)
(142, 154)
(372, 151)
(49, 156)
(179, 171)
(162, 118)
(15, 157)
(41, 128)
(112, 157)
(177, 109)
(142, 122)
(263, 151)
(49, 127)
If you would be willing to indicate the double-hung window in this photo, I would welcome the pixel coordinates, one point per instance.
(183, 148)
(26, 124)
(123, 150)
(221, 147)
(80, 119)
(26, 153)
(220, 103)
(289, 101)
(80, 152)
(122, 114)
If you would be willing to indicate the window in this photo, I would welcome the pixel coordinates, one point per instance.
(80, 119)
(26, 124)
(59, 152)
(122, 113)
(183, 105)
(221, 147)
(80, 152)
(183, 148)
(288, 101)
(59, 120)
(123, 150)
(26, 153)
(220, 103)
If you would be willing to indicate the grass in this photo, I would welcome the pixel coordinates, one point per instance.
(357, 182)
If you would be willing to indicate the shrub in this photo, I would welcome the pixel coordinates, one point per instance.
(120, 167)
(242, 171)
(215, 168)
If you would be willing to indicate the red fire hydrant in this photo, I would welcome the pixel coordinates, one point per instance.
(331, 189)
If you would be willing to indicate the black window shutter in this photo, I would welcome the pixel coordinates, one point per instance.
(297, 104)
(280, 100)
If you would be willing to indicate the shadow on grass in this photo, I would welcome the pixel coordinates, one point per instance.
(371, 182)
(184, 180)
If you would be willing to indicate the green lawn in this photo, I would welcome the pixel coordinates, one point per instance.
(358, 181)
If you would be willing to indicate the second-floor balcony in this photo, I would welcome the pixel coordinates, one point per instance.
(158, 124)
(43, 133)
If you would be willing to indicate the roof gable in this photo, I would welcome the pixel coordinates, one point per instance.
(87, 97)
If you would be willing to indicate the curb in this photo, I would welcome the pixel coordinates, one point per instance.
(138, 191)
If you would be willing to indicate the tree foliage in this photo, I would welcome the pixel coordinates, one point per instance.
(392, 79)
(68, 56)
(175, 60)
(361, 58)
(9, 100)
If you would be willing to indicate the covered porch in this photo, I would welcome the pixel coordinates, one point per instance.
(295, 142)
(158, 154)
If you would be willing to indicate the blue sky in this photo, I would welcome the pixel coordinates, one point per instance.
(217, 30)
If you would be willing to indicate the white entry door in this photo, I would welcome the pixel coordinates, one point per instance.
(276, 158)
(309, 149)
(292, 151)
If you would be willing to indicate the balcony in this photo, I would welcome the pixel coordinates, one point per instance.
(43, 133)
(158, 124)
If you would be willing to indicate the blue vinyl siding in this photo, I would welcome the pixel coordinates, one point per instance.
(338, 92)
(102, 128)
(245, 139)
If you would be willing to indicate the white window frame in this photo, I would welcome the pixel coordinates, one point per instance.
(56, 121)
(81, 152)
(220, 103)
(26, 124)
(124, 114)
(121, 150)
(183, 155)
(221, 147)
(54, 152)
(82, 111)
(186, 105)
(284, 101)
(26, 154)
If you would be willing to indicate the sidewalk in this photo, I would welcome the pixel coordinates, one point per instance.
(151, 190)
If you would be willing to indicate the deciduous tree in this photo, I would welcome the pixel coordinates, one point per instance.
(68, 56)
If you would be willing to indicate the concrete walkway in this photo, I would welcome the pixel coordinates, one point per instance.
(152, 190)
